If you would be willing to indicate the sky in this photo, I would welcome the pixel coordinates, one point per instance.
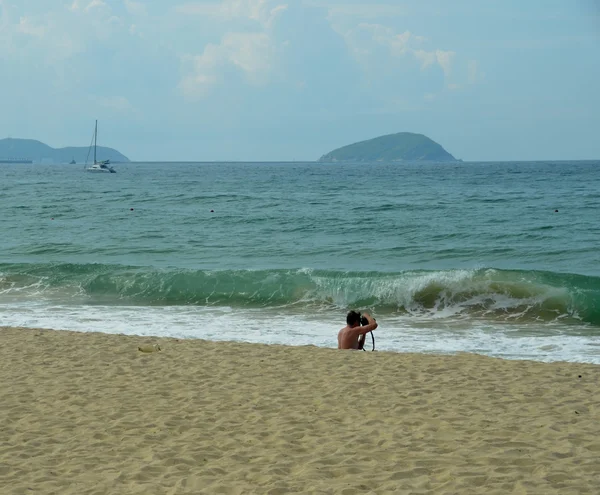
(283, 80)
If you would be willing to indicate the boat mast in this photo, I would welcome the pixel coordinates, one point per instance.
(95, 139)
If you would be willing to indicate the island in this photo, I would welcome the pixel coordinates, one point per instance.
(13, 150)
(402, 146)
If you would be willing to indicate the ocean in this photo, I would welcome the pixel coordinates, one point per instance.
(501, 259)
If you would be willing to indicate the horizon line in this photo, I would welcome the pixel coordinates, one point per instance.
(367, 162)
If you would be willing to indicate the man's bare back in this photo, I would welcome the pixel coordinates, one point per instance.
(349, 336)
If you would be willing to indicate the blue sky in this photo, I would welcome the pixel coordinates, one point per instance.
(293, 79)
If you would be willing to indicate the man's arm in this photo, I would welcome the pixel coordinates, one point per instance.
(366, 328)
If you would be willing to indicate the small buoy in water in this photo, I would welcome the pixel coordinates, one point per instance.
(52, 219)
(555, 211)
(130, 209)
(212, 211)
(149, 348)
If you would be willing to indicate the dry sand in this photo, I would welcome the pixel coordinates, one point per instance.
(85, 413)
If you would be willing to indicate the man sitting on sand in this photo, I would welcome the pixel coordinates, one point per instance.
(349, 336)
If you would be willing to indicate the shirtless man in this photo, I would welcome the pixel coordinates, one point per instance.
(348, 337)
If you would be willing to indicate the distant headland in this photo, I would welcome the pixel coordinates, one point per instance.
(30, 150)
(403, 146)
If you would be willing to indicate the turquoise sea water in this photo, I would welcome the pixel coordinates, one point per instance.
(448, 257)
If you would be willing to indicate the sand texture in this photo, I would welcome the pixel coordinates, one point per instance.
(88, 413)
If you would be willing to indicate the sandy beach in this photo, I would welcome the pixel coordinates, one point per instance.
(89, 413)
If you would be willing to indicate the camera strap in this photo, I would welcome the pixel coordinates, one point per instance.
(372, 340)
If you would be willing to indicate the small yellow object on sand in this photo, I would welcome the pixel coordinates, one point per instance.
(149, 348)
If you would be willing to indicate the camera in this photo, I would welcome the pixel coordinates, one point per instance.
(364, 321)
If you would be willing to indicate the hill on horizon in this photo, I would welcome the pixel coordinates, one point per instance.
(402, 146)
(38, 152)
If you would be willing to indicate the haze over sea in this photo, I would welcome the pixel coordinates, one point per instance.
(448, 257)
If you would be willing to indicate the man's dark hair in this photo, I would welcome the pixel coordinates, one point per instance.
(352, 318)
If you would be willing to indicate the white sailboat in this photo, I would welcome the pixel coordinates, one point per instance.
(104, 165)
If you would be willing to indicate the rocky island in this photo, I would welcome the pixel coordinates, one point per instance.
(403, 146)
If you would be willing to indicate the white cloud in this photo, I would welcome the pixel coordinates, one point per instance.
(274, 13)
(135, 8)
(397, 43)
(426, 58)
(97, 5)
(50, 35)
(251, 53)
(262, 11)
(117, 21)
(474, 74)
(366, 40)
(96, 8)
(198, 83)
(444, 60)
(41, 38)
(26, 26)
(366, 10)
(63, 47)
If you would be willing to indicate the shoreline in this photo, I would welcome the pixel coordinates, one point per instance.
(546, 350)
(87, 412)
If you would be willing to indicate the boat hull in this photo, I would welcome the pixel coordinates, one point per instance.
(102, 169)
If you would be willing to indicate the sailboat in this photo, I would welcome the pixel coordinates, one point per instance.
(104, 165)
